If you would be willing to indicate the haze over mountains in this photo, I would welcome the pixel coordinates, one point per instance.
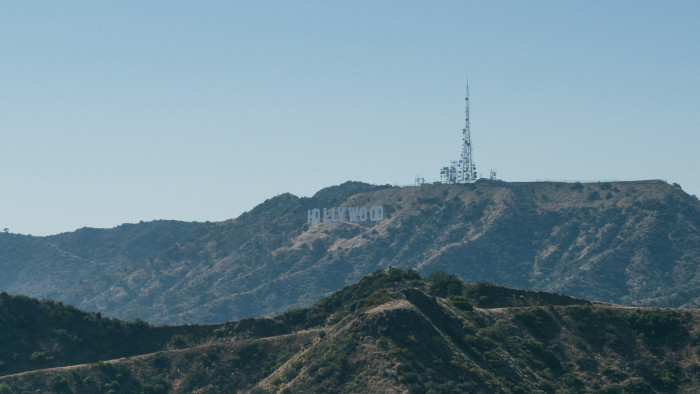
(633, 243)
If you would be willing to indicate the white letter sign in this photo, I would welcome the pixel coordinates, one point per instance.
(374, 213)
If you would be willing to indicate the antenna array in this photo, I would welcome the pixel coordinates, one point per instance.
(464, 170)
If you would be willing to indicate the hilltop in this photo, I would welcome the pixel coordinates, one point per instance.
(393, 331)
(631, 243)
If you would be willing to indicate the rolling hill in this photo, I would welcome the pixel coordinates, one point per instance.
(631, 243)
(393, 331)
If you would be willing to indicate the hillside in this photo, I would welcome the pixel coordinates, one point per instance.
(395, 331)
(631, 243)
(41, 334)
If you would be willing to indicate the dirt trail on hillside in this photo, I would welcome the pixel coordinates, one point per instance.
(146, 355)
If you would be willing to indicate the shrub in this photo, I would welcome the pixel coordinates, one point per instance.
(655, 323)
(377, 298)
(496, 331)
(642, 364)
(594, 196)
(159, 360)
(539, 322)
(461, 303)
(571, 380)
(158, 387)
(39, 357)
(443, 284)
(179, 341)
(469, 328)
(539, 350)
(60, 384)
(400, 352)
(318, 247)
(293, 370)
(519, 390)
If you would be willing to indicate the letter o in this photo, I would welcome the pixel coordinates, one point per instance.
(363, 214)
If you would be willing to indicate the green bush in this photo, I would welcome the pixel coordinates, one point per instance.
(158, 387)
(159, 361)
(401, 352)
(293, 370)
(461, 303)
(571, 380)
(60, 384)
(469, 328)
(378, 297)
(655, 323)
(497, 331)
(594, 196)
(642, 364)
(39, 357)
(539, 321)
(5, 388)
(179, 341)
(443, 284)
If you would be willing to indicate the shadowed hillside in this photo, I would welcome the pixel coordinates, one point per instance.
(395, 331)
(633, 243)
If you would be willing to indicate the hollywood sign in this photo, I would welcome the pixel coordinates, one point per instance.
(346, 214)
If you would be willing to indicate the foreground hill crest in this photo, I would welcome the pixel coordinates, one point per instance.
(393, 331)
(633, 243)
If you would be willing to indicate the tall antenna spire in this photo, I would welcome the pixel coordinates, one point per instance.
(464, 170)
(467, 171)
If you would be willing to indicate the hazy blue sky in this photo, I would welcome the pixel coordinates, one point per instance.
(121, 111)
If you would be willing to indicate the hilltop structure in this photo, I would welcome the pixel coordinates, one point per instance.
(464, 170)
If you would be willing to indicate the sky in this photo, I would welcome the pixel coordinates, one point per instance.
(118, 112)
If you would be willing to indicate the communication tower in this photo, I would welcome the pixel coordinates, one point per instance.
(464, 170)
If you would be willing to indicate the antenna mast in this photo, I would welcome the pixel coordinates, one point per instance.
(467, 170)
(464, 170)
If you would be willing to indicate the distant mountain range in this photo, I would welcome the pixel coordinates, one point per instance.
(393, 331)
(632, 243)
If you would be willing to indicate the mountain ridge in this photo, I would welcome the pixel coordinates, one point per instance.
(633, 243)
